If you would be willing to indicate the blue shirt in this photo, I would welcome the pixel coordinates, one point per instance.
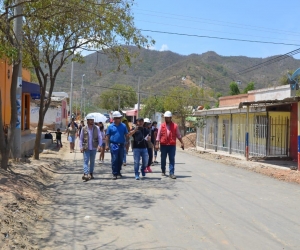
(117, 133)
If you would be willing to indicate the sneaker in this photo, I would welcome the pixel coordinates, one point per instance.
(172, 176)
(119, 175)
(137, 177)
(155, 161)
(146, 170)
(149, 169)
(114, 177)
(143, 172)
(99, 162)
(163, 174)
(92, 176)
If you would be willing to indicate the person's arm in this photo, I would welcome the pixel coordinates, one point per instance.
(157, 138)
(99, 138)
(132, 131)
(107, 138)
(80, 141)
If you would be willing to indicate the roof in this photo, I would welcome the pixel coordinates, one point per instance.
(287, 100)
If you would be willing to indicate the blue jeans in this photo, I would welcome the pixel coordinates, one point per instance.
(116, 159)
(125, 153)
(137, 154)
(168, 150)
(89, 156)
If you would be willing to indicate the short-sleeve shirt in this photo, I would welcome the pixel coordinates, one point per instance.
(117, 133)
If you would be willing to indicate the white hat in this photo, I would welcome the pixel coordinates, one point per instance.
(116, 114)
(90, 117)
(168, 114)
(147, 120)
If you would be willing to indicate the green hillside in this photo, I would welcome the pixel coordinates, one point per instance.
(159, 71)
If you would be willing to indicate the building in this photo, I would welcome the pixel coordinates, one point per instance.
(261, 123)
(57, 113)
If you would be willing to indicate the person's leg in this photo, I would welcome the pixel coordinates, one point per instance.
(86, 158)
(124, 157)
(120, 159)
(92, 161)
(114, 162)
(171, 153)
(155, 156)
(150, 158)
(145, 157)
(163, 156)
(136, 158)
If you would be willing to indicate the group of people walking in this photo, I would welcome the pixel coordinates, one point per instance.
(146, 140)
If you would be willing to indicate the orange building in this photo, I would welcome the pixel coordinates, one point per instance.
(5, 85)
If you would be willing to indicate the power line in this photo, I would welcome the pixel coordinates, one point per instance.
(263, 64)
(230, 24)
(213, 30)
(220, 38)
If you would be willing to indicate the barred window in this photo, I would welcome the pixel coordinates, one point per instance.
(260, 126)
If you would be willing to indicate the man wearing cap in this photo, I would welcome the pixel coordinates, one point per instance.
(115, 140)
(140, 137)
(166, 137)
(90, 140)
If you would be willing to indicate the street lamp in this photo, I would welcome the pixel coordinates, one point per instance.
(81, 96)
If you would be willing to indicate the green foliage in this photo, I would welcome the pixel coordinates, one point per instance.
(152, 104)
(233, 89)
(250, 86)
(120, 96)
(206, 106)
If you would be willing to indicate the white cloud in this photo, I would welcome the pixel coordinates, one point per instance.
(164, 47)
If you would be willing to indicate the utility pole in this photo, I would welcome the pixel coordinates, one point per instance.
(18, 33)
(71, 91)
(81, 99)
(139, 99)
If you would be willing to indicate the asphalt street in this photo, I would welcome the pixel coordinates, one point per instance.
(208, 206)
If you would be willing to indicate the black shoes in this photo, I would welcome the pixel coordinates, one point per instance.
(92, 176)
(119, 175)
(114, 177)
(85, 177)
(163, 174)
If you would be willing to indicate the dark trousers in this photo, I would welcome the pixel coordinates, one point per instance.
(150, 153)
(117, 159)
(168, 150)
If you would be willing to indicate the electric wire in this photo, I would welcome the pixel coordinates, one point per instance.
(229, 24)
(220, 38)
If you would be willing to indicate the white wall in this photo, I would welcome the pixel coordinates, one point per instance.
(52, 117)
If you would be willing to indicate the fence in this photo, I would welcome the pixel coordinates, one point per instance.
(268, 134)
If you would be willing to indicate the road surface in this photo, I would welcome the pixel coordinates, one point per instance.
(208, 206)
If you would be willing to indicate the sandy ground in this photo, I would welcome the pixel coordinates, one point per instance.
(24, 189)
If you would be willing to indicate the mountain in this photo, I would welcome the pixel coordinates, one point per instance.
(158, 71)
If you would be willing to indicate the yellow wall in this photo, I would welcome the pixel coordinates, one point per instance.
(5, 85)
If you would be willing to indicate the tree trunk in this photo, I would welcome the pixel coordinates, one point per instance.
(37, 144)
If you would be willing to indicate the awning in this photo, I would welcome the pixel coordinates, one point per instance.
(132, 112)
(32, 88)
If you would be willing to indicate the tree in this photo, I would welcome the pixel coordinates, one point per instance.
(52, 37)
(250, 86)
(233, 89)
(178, 101)
(119, 97)
(152, 104)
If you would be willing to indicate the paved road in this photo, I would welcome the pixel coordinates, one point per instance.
(209, 206)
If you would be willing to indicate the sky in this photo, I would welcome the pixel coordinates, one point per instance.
(274, 21)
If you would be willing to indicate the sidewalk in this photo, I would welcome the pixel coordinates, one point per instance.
(279, 163)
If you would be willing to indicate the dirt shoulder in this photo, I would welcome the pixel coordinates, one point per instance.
(22, 197)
